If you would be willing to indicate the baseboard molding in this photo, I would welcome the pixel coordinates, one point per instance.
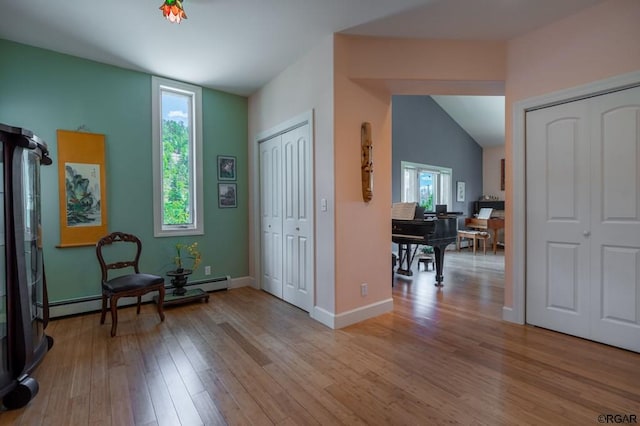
(508, 314)
(251, 282)
(241, 282)
(94, 303)
(351, 317)
(74, 307)
(89, 304)
(323, 317)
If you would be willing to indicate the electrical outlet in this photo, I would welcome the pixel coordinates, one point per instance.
(364, 288)
(207, 270)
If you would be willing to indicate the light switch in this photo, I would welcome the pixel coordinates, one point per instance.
(323, 204)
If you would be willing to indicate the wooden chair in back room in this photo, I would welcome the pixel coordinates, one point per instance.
(131, 284)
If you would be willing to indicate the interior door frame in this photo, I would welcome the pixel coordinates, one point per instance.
(516, 313)
(290, 124)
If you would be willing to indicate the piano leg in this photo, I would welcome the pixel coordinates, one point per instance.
(406, 252)
(394, 261)
(439, 255)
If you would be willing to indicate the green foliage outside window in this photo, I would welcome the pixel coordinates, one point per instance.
(176, 175)
(427, 203)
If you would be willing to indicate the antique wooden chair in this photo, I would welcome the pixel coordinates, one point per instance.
(127, 284)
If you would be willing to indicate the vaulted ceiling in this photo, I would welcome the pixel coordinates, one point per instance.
(239, 45)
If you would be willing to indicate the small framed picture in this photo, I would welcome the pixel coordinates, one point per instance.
(226, 167)
(227, 195)
(460, 193)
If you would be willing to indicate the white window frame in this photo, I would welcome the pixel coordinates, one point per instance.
(444, 195)
(158, 85)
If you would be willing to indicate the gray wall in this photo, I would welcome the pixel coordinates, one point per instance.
(422, 132)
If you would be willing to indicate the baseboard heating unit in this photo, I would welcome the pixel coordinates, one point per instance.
(83, 305)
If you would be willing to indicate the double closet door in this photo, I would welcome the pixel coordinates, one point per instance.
(286, 200)
(583, 218)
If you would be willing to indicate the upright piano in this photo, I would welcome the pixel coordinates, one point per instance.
(495, 221)
(437, 232)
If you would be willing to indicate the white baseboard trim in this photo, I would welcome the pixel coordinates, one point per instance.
(94, 303)
(70, 307)
(241, 282)
(323, 316)
(351, 317)
(252, 282)
(508, 314)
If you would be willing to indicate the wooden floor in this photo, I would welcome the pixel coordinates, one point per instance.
(442, 357)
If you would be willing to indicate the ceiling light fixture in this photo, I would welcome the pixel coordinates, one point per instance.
(173, 11)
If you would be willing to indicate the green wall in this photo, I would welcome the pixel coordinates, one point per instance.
(44, 91)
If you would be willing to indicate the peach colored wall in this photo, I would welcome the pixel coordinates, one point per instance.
(363, 246)
(438, 60)
(599, 42)
(596, 43)
(363, 67)
(491, 157)
(428, 67)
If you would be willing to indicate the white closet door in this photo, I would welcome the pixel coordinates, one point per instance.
(271, 215)
(583, 218)
(297, 215)
(615, 235)
(557, 158)
(286, 208)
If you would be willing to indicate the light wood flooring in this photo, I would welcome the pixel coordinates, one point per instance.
(442, 357)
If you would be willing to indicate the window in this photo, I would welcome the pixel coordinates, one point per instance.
(426, 185)
(177, 158)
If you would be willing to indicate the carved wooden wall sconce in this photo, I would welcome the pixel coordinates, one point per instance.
(367, 162)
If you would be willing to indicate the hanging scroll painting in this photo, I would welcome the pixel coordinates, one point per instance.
(82, 191)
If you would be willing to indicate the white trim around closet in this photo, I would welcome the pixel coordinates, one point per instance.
(516, 313)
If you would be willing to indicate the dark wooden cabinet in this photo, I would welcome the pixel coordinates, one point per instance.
(24, 309)
(496, 205)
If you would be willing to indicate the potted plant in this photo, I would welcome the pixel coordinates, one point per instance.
(426, 250)
(187, 253)
(426, 257)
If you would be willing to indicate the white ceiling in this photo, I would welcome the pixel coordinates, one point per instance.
(239, 45)
(481, 116)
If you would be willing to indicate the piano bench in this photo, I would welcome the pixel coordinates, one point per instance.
(475, 237)
(425, 260)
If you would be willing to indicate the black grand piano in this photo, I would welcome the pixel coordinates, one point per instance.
(435, 231)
